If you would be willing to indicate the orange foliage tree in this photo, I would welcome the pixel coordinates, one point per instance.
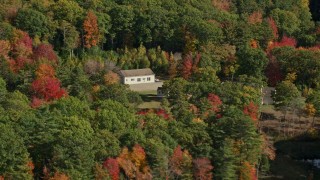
(45, 70)
(222, 4)
(251, 110)
(247, 171)
(111, 78)
(255, 18)
(91, 29)
(4, 49)
(59, 176)
(134, 163)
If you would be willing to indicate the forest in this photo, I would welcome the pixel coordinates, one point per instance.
(64, 113)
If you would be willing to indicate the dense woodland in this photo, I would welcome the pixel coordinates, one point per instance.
(65, 115)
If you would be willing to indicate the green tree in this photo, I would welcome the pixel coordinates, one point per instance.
(285, 94)
(235, 140)
(3, 90)
(67, 10)
(252, 61)
(286, 21)
(73, 151)
(14, 157)
(34, 22)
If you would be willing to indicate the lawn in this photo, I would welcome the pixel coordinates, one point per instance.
(150, 100)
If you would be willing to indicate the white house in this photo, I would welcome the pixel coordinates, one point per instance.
(137, 76)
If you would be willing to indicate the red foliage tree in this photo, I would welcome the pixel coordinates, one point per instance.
(251, 110)
(159, 112)
(196, 62)
(90, 26)
(180, 163)
(113, 168)
(285, 41)
(274, 27)
(162, 113)
(48, 88)
(36, 102)
(215, 102)
(187, 64)
(273, 72)
(45, 51)
(202, 169)
(175, 161)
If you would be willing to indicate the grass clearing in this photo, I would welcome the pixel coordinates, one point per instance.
(150, 100)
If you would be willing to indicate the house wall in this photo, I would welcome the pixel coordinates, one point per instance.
(134, 79)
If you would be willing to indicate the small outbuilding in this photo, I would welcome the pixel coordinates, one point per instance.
(137, 76)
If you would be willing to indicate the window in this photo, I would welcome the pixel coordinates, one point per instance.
(126, 79)
(148, 79)
(144, 79)
(132, 79)
(139, 79)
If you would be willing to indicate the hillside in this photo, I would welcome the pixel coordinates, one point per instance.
(65, 112)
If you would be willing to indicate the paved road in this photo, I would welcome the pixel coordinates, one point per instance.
(145, 86)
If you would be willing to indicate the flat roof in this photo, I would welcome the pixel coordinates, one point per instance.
(136, 72)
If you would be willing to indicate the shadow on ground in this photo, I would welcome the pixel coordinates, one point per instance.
(289, 163)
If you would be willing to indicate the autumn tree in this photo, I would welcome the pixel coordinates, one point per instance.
(314, 104)
(202, 169)
(180, 163)
(172, 71)
(251, 110)
(273, 72)
(48, 88)
(45, 52)
(274, 27)
(247, 171)
(255, 18)
(215, 102)
(186, 69)
(113, 168)
(22, 44)
(91, 29)
(4, 49)
(134, 163)
(111, 78)
(45, 70)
